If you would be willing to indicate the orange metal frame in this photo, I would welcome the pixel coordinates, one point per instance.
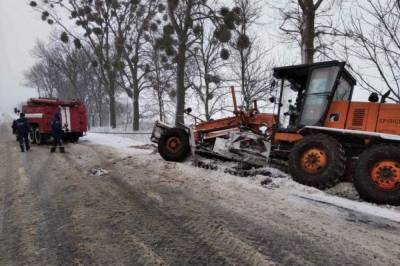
(251, 119)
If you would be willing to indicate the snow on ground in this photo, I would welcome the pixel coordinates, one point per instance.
(342, 196)
(127, 144)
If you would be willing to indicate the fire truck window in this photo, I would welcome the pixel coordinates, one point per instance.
(343, 91)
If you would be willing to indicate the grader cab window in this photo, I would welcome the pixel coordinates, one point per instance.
(320, 88)
(290, 105)
(343, 91)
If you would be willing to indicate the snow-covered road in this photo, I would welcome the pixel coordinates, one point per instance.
(112, 200)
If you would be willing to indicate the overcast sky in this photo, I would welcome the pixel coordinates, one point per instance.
(20, 26)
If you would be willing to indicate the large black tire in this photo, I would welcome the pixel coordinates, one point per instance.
(75, 138)
(31, 136)
(376, 179)
(317, 161)
(40, 138)
(174, 145)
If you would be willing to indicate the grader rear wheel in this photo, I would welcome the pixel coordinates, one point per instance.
(377, 175)
(318, 161)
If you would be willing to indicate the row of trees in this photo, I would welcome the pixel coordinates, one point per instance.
(161, 53)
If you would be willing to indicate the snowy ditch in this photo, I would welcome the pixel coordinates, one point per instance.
(343, 196)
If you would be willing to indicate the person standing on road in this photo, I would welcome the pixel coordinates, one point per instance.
(57, 132)
(22, 129)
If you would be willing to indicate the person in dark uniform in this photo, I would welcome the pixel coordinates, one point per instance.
(22, 129)
(57, 132)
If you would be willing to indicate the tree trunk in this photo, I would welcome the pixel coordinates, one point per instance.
(243, 78)
(308, 35)
(180, 85)
(113, 117)
(111, 94)
(100, 119)
(136, 114)
(207, 102)
(160, 104)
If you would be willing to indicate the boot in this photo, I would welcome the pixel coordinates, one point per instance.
(53, 149)
(62, 150)
(22, 149)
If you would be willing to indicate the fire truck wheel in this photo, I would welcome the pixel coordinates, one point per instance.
(377, 174)
(318, 161)
(174, 145)
(75, 138)
(39, 137)
(31, 136)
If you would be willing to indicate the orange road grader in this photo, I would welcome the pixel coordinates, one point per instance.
(318, 133)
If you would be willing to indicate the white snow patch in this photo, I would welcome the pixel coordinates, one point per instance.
(99, 172)
(127, 144)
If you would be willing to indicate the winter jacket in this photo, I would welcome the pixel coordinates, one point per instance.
(22, 126)
(56, 126)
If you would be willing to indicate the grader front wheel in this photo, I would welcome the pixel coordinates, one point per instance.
(318, 161)
(377, 175)
(174, 145)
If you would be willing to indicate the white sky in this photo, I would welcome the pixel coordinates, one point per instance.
(20, 26)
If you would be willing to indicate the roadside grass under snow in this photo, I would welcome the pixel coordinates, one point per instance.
(347, 199)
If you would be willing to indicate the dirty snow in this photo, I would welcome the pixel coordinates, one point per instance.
(98, 172)
(139, 145)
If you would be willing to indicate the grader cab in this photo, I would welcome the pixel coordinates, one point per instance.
(324, 136)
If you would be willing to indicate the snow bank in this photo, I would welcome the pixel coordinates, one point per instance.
(287, 185)
(127, 144)
(387, 212)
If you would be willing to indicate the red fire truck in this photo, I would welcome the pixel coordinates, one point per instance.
(40, 112)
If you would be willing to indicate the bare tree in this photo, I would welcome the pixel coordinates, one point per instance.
(67, 73)
(139, 21)
(372, 37)
(41, 77)
(308, 23)
(206, 69)
(97, 21)
(250, 66)
(161, 78)
(182, 33)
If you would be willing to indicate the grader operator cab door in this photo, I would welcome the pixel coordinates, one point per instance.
(307, 92)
